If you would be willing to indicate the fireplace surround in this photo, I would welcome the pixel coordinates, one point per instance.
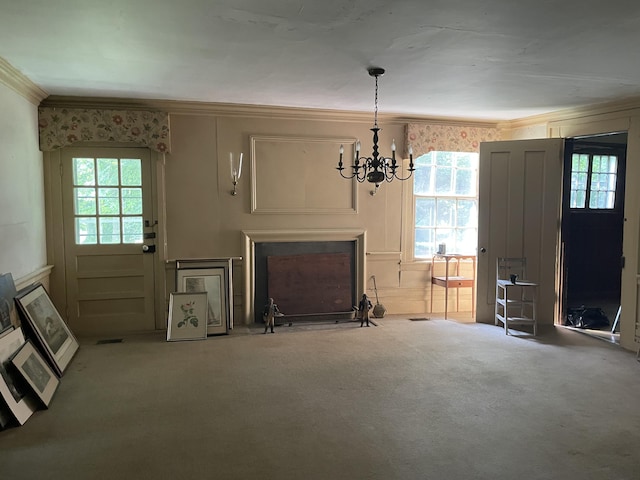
(255, 237)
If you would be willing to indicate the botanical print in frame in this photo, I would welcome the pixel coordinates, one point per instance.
(187, 316)
(36, 372)
(214, 278)
(22, 404)
(53, 335)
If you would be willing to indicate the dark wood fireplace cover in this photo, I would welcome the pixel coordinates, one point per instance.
(312, 283)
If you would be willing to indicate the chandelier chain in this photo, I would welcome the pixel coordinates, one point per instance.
(375, 116)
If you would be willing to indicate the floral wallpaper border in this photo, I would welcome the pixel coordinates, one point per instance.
(61, 127)
(425, 138)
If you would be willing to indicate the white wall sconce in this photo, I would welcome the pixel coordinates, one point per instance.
(236, 172)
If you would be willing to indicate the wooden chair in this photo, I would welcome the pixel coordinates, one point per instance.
(516, 296)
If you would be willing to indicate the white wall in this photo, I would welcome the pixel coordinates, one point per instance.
(22, 211)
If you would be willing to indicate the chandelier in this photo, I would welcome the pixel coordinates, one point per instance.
(375, 169)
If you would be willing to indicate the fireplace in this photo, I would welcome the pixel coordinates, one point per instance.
(342, 252)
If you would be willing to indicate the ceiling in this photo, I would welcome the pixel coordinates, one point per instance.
(489, 59)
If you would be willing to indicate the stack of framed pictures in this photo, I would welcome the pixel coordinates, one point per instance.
(34, 352)
(213, 276)
(46, 328)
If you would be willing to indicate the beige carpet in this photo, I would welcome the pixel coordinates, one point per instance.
(432, 399)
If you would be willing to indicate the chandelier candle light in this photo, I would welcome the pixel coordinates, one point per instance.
(235, 172)
(375, 169)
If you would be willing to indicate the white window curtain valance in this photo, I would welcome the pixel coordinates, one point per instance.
(61, 127)
(425, 138)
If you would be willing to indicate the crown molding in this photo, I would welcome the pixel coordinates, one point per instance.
(20, 84)
(176, 107)
(629, 105)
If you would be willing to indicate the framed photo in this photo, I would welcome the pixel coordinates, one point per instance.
(19, 400)
(213, 277)
(8, 314)
(36, 372)
(187, 316)
(51, 334)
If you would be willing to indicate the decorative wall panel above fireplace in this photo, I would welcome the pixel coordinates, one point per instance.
(291, 175)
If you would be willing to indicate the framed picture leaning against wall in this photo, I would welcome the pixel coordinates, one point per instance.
(49, 331)
(187, 316)
(36, 372)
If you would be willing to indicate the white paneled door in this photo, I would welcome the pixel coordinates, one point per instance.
(108, 240)
(519, 206)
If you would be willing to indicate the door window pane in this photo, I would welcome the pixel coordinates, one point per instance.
(109, 201)
(132, 201)
(593, 181)
(84, 171)
(84, 201)
(109, 229)
(131, 172)
(86, 231)
(132, 229)
(107, 171)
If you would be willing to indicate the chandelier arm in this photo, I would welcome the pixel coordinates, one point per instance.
(407, 177)
(348, 177)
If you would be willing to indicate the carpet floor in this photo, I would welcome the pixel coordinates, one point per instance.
(437, 399)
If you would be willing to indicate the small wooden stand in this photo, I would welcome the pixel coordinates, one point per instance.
(453, 281)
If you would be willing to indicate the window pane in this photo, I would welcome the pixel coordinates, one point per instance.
(445, 213)
(580, 162)
(425, 212)
(108, 201)
(466, 161)
(446, 236)
(84, 201)
(466, 240)
(422, 176)
(107, 171)
(109, 230)
(86, 231)
(466, 182)
(467, 214)
(444, 159)
(132, 230)
(131, 201)
(603, 182)
(131, 172)
(444, 180)
(424, 243)
(579, 181)
(578, 199)
(83, 171)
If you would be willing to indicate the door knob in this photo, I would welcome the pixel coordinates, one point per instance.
(483, 250)
(148, 248)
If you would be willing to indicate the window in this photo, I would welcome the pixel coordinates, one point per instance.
(593, 181)
(445, 203)
(107, 198)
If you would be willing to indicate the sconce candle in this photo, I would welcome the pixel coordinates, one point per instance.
(236, 172)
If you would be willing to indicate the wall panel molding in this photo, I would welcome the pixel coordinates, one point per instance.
(290, 175)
